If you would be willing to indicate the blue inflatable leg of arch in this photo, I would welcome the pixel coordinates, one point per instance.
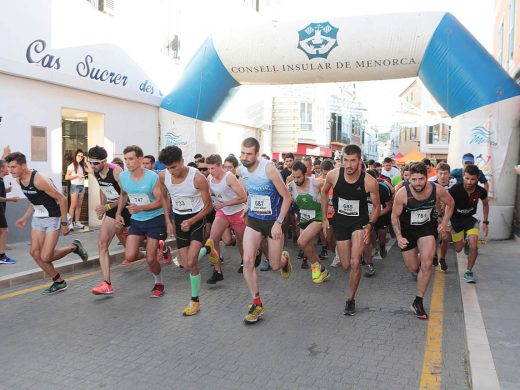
(464, 78)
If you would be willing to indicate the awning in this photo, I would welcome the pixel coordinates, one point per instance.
(398, 156)
(414, 156)
(313, 150)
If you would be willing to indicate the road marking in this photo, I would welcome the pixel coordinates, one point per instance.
(69, 278)
(432, 364)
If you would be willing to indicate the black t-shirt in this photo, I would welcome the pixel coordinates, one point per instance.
(2, 194)
(286, 172)
(466, 204)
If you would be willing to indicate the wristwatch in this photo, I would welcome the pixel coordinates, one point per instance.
(64, 223)
(486, 222)
(279, 220)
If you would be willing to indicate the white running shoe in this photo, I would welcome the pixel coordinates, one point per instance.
(335, 262)
(79, 225)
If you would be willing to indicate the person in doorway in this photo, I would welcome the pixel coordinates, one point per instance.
(4, 259)
(76, 175)
(48, 208)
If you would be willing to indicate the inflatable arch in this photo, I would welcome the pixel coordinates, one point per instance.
(464, 78)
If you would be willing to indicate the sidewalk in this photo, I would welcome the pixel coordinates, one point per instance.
(497, 271)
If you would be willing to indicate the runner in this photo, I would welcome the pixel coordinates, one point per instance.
(228, 197)
(463, 222)
(326, 167)
(414, 218)
(381, 226)
(107, 176)
(48, 209)
(268, 203)
(458, 173)
(189, 194)
(305, 192)
(147, 205)
(443, 179)
(4, 259)
(351, 222)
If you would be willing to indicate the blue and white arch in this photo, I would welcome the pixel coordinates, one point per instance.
(462, 76)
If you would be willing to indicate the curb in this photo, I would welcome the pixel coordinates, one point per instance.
(482, 371)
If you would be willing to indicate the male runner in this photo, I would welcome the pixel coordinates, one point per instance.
(228, 197)
(305, 192)
(326, 167)
(466, 196)
(4, 259)
(443, 179)
(414, 218)
(48, 209)
(146, 203)
(190, 198)
(107, 176)
(381, 225)
(268, 203)
(352, 222)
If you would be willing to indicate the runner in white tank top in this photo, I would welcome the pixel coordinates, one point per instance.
(189, 193)
(228, 197)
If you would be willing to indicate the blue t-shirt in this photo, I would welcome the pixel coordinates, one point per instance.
(141, 193)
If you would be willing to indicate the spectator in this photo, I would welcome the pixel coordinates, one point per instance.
(76, 175)
(4, 259)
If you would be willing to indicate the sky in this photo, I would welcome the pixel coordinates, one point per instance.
(381, 97)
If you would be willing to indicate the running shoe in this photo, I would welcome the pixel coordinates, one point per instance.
(192, 309)
(103, 289)
(435, 261)
(305, 263)
(80, 250)
(418, 309)
(54, 288)
(265, 266)
(350, 307)
(287, 270)
(370, 270)
(324, 254)
(315, 271)
(258, 258)
(382, 251)
(324, 276)
(7, 260)
(375, 252)
(213, 254)
(301, 255)
(444, 266)
(241, 269)
(167, 256)
(469, 277)
(215, 277)
(157, 290)
(78, 225)
(255, 313)
(466, 248)
(335, 262)
(125, 262)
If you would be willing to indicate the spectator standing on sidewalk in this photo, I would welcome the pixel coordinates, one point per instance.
(4, 259)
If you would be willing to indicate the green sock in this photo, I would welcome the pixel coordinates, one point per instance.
(203, 252)
(195, 285)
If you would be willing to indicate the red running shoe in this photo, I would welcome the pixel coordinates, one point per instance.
(157, 291)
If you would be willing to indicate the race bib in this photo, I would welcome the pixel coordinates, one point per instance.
(261, 204)
(349, 208)
(420, 217)
(40, 211)
(109, 192)
(139, 199)
(183, 205)
(308, 215)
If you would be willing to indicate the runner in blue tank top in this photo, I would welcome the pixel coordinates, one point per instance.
(146, 200)
(268, 203)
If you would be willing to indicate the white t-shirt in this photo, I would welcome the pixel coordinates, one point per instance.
(391, 173)
(78, 181)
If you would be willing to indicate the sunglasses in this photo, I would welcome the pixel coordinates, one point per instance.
(94, 163)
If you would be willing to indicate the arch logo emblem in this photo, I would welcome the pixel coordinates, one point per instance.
(317, 40)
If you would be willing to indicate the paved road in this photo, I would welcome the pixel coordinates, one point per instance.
(129, 341)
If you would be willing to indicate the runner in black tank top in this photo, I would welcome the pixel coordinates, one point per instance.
(414, 218)
(352, 222)
(49, 215)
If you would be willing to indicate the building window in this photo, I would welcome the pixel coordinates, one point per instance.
(306, 116)
(38, 143)
(511, 44)
(500, 53)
